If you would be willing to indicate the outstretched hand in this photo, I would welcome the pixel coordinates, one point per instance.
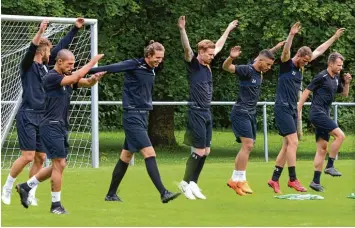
(347, 78)
(339, 32)
(232, 25)
(296, 28)
(280, 44)
(79, 22)
(43, 26)
(96, 77)
(235, 52)
(181, 22)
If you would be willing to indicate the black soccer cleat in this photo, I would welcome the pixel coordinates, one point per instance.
(23, 195)
(167, 196)
(316, 187)
(113, 198)
(332, 172)
(58, 210)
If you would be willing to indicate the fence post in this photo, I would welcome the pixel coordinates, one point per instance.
(336, 121)
(265, 134)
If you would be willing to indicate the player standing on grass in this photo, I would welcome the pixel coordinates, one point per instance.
(324, 86)
(58, 85)
(289, 83)
(139, 80)
(243, 115)
(32, 69)
(199, 114)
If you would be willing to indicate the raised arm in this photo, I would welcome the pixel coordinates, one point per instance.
(286, 52)
(188, 53)
(31, 52)
(303, 99)
(89, 82)
(347, 79)
(322, 48)
(77, 75)
(66, 40)
(116, 67)
(277, 47)
(228, 63)
(220, 43)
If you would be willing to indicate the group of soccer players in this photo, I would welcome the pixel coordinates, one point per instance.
(42, 120)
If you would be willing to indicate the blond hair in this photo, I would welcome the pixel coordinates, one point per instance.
(152, 47)
(205, 44)
(44, 43)
(304, 51)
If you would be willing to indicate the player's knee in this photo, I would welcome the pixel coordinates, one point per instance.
(248, 147)
(126, 156)
(341, 135)
(59, 164)
(322, 151)
(293, 142)
(28, 156)
(40, 158)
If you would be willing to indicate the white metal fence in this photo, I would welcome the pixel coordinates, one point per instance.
(263, 104)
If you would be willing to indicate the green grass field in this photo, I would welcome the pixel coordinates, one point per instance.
(84, 191)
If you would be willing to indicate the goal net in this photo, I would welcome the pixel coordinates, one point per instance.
(17, 33)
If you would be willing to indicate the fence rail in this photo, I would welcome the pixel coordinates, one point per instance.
(264, 104)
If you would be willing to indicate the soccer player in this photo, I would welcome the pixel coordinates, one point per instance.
(324, 86)
(139, 80)
(33, 67)
(243, 115)
(58, 85)
(289, 83)
(199, 129)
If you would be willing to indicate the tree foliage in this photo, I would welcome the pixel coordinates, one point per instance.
(126, 26)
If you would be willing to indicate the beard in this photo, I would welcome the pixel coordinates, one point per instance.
(45, 60)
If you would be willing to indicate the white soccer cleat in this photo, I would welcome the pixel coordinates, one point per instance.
(196, 191)
(6, 196)
(185, 188)
(32, 200)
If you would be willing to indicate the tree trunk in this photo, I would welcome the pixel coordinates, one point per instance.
(161, 126)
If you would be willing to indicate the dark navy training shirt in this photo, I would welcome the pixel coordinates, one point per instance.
(32, 73)
(200, 80)
(288, 84)
(324, 88)
(57, 99)
(249, 88)
(138, 82)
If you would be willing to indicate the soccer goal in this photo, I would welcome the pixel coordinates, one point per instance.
(17, 33)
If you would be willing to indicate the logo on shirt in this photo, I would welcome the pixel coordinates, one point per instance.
(293, 72)
(142, 66)
(253, 81)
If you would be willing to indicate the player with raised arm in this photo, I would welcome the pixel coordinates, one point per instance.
(58, 85)
(33, 67)
(243, 115)
(324, 87)
(199, 129)
(139, 80)
(288, 85)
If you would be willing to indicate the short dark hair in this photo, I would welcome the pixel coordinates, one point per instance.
(334, 56)
(152, 47)
(267, 53)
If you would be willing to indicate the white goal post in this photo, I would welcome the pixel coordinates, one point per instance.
(17, 33)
